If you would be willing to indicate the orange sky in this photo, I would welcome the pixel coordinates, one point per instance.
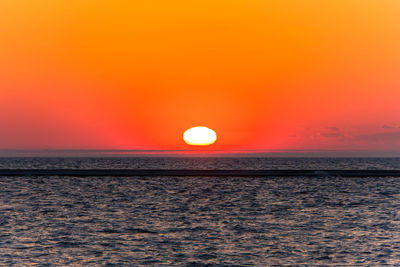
(263, 74)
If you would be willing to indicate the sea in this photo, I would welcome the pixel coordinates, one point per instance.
(199, 221)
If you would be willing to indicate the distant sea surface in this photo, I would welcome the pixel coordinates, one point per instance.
(199, 221)
(202, 163)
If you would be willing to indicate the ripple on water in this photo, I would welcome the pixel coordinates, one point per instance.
(197, 221)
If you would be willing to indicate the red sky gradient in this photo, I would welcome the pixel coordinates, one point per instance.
(268, 75)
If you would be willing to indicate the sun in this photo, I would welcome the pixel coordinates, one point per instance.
(199, 136)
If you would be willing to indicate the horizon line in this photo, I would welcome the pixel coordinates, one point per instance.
(195, 152)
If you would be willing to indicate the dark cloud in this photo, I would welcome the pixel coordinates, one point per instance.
(332, 135)
(333, 128)
(385, 126)
(381, 137)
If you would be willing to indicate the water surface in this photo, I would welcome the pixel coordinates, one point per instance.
(199, 221)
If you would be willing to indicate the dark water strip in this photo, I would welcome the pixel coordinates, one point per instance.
(183, 172)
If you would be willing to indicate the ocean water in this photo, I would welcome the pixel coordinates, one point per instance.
(200, 221)
(202, 163)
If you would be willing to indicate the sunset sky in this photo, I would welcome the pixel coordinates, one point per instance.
(263, 74)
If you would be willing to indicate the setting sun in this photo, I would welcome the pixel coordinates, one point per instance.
(199, 136)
